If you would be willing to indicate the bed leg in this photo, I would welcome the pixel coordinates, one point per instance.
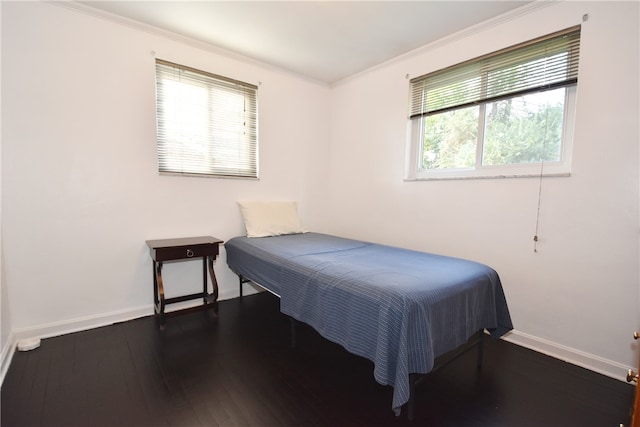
(411, 405)
(480, 355)
(292, 322)
(240, 278)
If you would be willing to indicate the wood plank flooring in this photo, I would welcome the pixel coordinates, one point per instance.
(239, 370)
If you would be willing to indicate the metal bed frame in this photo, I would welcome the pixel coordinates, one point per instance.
(415, 379)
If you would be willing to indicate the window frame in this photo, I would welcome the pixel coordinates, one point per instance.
(414, 169)
(175, 156)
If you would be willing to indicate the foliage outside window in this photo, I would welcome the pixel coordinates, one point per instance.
(207, 124)
(509, 113)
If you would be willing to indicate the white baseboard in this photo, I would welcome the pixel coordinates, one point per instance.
(571, 355)
(7, 355)
(81, 323)
(95, 321)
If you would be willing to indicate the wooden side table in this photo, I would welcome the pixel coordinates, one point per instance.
(205, 247)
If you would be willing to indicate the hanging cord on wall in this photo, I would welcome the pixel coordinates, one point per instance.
(544, 154)
(535, 236)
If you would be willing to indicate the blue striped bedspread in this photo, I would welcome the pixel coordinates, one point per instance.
(396, 307)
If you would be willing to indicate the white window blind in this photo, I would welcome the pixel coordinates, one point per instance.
(207, 124)
(543, 64)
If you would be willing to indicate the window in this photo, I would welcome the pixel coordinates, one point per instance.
(207, 124)
(509, 113)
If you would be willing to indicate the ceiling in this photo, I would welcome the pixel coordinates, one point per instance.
(322, 40)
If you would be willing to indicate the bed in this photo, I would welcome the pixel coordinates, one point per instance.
(399, 308)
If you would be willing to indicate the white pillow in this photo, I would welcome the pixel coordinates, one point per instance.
(263, 219)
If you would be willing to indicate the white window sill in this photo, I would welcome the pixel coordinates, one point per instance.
(449, 177)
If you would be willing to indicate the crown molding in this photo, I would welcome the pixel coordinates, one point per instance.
(462, 34)
(173, 36)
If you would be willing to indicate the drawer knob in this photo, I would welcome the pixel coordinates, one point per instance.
(189, 253)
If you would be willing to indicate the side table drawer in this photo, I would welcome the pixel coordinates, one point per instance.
(183, 252)
(184, 248)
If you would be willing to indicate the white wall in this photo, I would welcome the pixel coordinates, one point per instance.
(80, 192)
(5, 317)
(80, 187)
(577, 297)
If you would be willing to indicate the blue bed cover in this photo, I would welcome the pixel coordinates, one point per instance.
(398, 308)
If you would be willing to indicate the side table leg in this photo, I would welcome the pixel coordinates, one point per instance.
(205, 291)
(214, 285)
(158, 288)
(155, 286)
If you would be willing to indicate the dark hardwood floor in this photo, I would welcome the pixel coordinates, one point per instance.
(239, 370)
